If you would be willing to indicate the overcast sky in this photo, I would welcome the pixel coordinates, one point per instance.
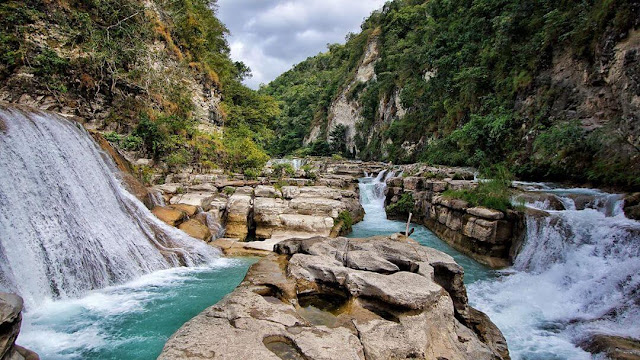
(272, 35)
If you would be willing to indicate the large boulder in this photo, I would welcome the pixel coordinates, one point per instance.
(170, 216)
(632, 206)
(323, 298)
(196, 229)
(197, 199)
(239, 219)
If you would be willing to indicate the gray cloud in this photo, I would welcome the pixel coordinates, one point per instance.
(272, 35)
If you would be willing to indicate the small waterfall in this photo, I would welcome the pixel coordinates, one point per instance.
(372, 191)
(576, 275)
(67, 224)
(296, 163)
(156, 199)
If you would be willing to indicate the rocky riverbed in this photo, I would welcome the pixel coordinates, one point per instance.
(330, 298)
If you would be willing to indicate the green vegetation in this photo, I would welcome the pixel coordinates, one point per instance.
(283, 169)
(306, 92)
(473, 76)
(310, 172)
(493, 194)
(142, 64)
(403, 206)
(347, 222)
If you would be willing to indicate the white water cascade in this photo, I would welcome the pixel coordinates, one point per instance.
(576, 276)
(67, 225)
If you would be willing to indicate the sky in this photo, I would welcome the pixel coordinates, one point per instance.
(270, 36)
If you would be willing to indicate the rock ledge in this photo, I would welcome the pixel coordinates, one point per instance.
(338, 298)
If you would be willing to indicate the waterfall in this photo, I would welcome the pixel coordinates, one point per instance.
(67, 225)
(372, 191)
(295, 163)
(576, 275)
(156, 199)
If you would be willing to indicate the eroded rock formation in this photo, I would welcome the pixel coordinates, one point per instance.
(322, 298)
(10, 320)
(490, 236)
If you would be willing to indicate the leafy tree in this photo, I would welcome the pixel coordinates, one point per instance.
(338, 139)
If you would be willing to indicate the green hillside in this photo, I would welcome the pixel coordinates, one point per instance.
(482, 83)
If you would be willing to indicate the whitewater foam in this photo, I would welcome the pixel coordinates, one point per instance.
(575, 276)
(67, 224)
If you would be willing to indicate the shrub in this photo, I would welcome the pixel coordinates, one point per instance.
(178, 158)
(403, 206)
(131, 143)
(252, 173)
(493, 194)
(283, 169)
(347, 221)
(113, 137)
(229, 190)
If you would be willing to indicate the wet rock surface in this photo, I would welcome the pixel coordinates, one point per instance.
(10, 320)
(338, 298)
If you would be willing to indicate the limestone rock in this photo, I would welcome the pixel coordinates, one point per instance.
(238, 221)
(190, 210)
(404, 289)
(322, 298)
(613, 347)
(632, 206)
(486, 213)
(267, 191)
(196, 229)
(10, 320)
(198, 199)
(366, 260)
(172, 217)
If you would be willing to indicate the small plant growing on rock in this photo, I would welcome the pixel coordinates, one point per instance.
(252, 173)
(309, 172)
(347, 222)
(403, 206)
(285, 169)
(113, 137)
(229, 190)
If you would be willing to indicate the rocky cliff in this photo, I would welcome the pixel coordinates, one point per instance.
(377, 298)
(154, 76)
(550, 89)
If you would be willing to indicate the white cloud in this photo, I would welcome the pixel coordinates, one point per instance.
(271, 36)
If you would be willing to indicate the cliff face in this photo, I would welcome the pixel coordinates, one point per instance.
(551, 90)
(104, 62)
(154, 75)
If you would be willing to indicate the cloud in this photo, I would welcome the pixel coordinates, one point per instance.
(271, 36)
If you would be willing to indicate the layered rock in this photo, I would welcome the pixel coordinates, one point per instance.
(10, 320)
(490, 236)
(323, 298)
(302, 211)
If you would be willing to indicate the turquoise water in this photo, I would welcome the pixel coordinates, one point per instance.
(473, 271)
(130, 321)
(376, 223)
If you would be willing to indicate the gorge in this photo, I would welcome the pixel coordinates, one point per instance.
(153, 206)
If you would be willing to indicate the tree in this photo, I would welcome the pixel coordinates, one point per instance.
(338, 139)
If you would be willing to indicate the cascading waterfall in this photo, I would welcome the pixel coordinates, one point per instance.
(575, 276)
(67, 224)
(372, 192)
(296, 163)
